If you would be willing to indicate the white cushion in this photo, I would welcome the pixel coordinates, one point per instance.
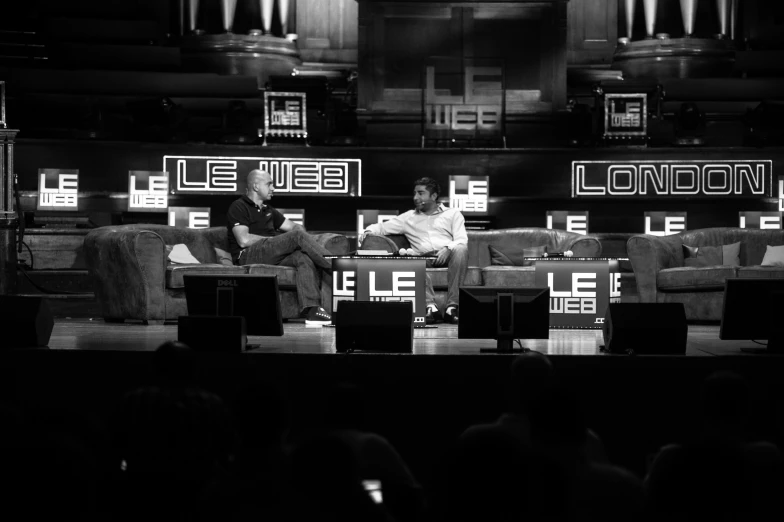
(180, 254)
(774, 256)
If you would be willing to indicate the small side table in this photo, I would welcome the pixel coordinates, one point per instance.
(581, 288)
(380, 278)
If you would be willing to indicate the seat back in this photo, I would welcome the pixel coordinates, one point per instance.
(200, 242)
(754, 242)
(555, 240)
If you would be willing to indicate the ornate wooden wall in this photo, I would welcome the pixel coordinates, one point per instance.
(593, 31)
(327, 31)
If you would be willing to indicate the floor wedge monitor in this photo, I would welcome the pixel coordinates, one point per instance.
(371, 326)
(645, 328)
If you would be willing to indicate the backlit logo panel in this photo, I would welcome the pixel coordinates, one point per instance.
(760, 220)
(664, 223)
(148, 191)
(571, 220)
(189, 217)
(58, 189)
(469, 193)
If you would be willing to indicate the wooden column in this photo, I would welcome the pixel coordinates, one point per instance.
(8, 220)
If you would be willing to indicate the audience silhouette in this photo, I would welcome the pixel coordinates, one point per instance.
(173, 450)
(718, 472)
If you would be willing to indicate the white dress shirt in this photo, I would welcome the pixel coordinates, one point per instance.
(427, 233)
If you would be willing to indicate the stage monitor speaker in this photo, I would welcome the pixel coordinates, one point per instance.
(374, 326)
(210, 333)
(25, 322)
(645, 328)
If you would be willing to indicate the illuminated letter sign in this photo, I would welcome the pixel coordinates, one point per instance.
(226, 175)
(189, 217)
(58, 189)
(368, 217)
(625, 115)
(673, 179)
(297, 215)
(664, 223)
(571, 220)
(469, 193)
(148, 191)
(760, 220)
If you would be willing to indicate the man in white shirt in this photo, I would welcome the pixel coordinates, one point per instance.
(435, 230)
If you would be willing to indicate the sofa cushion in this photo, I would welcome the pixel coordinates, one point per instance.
(174, 273)
(515, 255)
(702, 256)
(772, 272)
(224, 258)
(683, 279)
(509, 276)
(439, 277)
(754, 242)
(774, 256)
(180, 254)
(707, 255)
(287, 275)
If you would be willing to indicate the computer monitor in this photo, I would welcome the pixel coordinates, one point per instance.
(753, 310)
(254, 297)
(504, 314)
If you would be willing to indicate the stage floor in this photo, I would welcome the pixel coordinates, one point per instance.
(94, 334)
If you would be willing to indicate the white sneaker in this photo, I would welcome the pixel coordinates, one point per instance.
(317, 316)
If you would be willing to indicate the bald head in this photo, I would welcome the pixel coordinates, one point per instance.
(257, 176)
(259, 183)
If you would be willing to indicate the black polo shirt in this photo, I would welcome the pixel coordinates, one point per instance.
(261, 221)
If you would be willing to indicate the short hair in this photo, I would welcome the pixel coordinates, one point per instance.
(430, 184)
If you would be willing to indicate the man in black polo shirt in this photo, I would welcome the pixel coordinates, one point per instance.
(259, 233)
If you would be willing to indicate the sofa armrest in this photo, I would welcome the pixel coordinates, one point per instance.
(587, 246)
(649, 255)
(128, 269)
(337, 244)
(391, 243)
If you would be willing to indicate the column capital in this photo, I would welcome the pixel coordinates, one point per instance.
(8, 134)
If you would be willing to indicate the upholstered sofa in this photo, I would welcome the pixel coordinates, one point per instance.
(663, 276)
(133, 278)
(481, 271)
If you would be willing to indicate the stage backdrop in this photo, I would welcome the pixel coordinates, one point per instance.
(616, 187)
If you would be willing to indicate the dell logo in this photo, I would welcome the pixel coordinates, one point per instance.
(599, 320)
(227, 282)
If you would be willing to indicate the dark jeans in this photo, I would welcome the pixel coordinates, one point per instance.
(457, 267)
(299, 250)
